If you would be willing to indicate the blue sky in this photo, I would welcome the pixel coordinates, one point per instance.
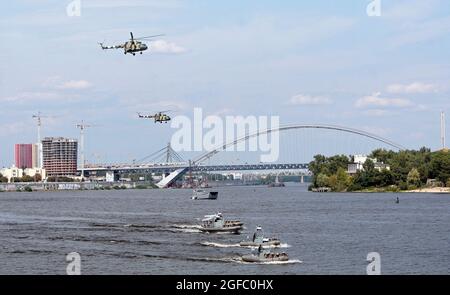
(307, 61)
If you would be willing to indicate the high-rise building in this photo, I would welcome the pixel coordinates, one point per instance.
(23, 155)
(35, 155)
(60, 156)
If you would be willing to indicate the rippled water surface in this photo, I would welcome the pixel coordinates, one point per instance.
(156, 231)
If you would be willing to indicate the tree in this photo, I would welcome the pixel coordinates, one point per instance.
(440, 166)
(414, 177)
(369, 166)
(333, 182)
(3, 178)
(385, 178)
(337, 162)
(322, 180)
(327, 165)
(318, 165)
(382, 155)
(27, 178)
(342, 180)
(37, 177)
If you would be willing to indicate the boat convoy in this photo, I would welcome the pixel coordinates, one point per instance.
(216, 223)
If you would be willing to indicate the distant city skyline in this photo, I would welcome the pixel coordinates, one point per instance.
(307, 62)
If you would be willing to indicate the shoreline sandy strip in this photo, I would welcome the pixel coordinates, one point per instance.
(431, 190)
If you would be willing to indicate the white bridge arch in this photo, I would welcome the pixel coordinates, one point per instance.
(196, 161)
(222, 147)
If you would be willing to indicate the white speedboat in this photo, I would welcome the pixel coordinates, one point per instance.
(216, 223)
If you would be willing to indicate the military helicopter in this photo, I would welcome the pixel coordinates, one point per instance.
(132, 46)
(159, 117)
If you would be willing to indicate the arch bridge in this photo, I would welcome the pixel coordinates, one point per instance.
(196, 163)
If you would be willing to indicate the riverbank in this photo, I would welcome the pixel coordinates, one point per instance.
(67, 186)
(438, 190)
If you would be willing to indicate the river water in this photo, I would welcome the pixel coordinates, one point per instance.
(155, 231)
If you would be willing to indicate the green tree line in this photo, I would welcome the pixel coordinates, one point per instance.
(24, 178)
(409, 169)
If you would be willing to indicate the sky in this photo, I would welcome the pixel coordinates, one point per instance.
(324, 62)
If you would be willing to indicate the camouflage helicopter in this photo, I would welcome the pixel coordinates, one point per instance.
(158, 117)
(132, 46)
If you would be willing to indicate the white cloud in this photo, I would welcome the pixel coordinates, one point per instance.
(162, 46)
(415, 87)
(75, 84)
(375, 100)
(302, 99)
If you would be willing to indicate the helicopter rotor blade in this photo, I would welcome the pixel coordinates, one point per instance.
(131, 34)
(149, 37)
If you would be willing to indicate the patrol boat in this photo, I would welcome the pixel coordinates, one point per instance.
(216, 223)
(265, 256)
(259, 239)
(200, 194)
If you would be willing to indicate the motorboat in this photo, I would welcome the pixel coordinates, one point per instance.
(259, 239)
(200, 194)
(216, 223)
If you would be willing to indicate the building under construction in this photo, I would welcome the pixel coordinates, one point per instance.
(60, 156)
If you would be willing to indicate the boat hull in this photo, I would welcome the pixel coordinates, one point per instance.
(230, 229)
(254, 258)
(206, 196)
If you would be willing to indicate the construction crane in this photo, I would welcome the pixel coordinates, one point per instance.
(82, 126)
(443, 130)
(38, 118)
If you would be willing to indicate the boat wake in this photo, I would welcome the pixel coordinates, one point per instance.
(290, 261)
(284, 245)
(233, 258)
(226, 259)
(220, 245)
(186, 228)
